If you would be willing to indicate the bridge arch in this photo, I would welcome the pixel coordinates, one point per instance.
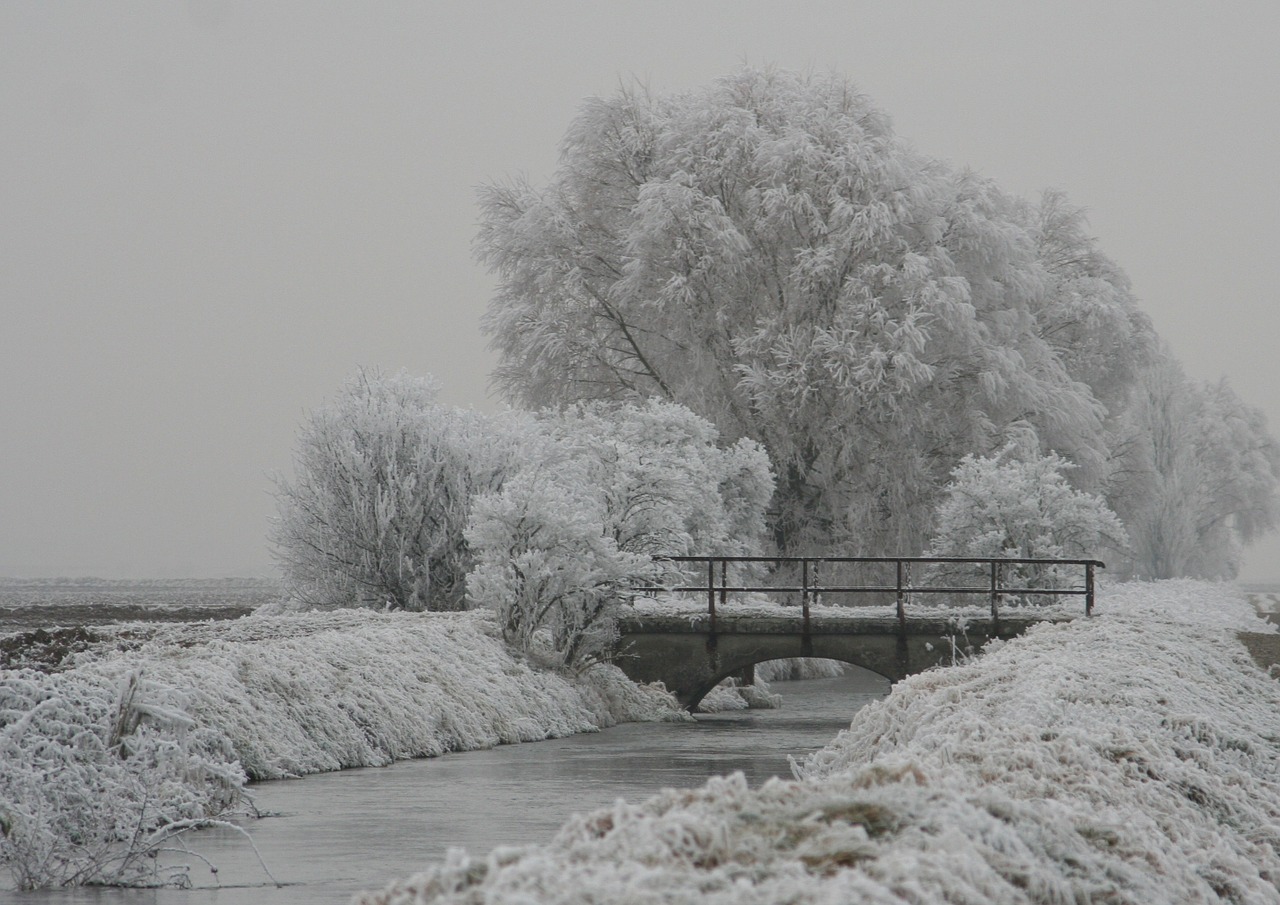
(690, 661)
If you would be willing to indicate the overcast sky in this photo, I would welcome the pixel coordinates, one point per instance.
(212, 213)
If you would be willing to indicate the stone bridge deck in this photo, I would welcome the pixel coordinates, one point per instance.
(683, 653)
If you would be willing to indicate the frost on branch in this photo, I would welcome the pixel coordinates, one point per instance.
(384, 477)
(544, 564)
(561, 546)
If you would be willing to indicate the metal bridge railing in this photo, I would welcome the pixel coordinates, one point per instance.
(810, 587)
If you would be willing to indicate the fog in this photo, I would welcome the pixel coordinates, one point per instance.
(213, 213)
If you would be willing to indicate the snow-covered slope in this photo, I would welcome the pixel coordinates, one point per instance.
(158, 723)
(1133, 757)
(323, 691)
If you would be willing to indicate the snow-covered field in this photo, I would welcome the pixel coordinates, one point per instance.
(155, 723)
(1133, 757)
(45, 603)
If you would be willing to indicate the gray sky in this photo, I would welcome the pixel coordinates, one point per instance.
(212, 213)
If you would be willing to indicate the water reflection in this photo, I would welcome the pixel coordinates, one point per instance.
(337, 833)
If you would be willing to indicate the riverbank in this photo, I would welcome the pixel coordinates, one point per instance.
(1131, 757)
(146, 725)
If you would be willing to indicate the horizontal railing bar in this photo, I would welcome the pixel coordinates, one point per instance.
(985, 589)
(886, 559)
(811, 590)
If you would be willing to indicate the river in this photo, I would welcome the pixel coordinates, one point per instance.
(337, 833)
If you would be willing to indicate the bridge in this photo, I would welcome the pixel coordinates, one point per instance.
(887, 631)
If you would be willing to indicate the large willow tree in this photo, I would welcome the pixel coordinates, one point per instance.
(767, 252)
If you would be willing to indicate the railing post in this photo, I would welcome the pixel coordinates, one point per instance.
(902, 610)
(724, 580)
(711, 592)
(995, 596)
(804, 594)
(1088, 589)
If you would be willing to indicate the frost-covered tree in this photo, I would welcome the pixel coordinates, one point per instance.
(767, 252)
(383, 480)
(1088, 316)
(1018, 504)
(1199, 477)
(667, 487)
(603, 491)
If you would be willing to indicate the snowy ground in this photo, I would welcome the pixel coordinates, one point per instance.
(149, 724)
(46, 603)
(1132, 757)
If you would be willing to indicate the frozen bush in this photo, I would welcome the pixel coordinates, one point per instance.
(547, 569)
(666, 486)
(384, 477)
(1020, 506)
(600, 500)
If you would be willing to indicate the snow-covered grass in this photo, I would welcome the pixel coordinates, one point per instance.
(161, 723)
(94, 777)
(1129, 758)
(323, 691)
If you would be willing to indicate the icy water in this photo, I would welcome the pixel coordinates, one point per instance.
(338, 833)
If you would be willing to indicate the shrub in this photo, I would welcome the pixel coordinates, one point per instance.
(384, 477)
(1006, 506)
(604, 493)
